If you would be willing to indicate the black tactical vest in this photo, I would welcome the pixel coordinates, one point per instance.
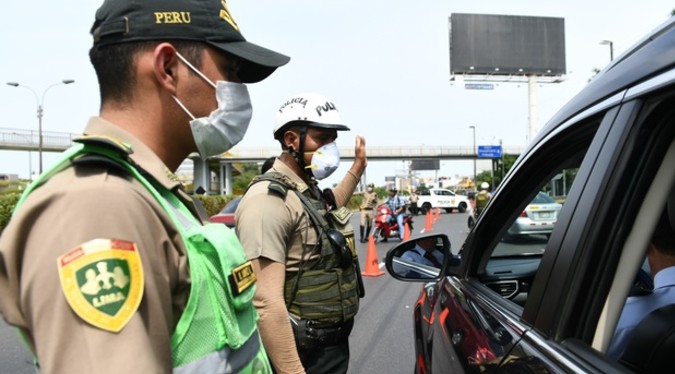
(325, 290)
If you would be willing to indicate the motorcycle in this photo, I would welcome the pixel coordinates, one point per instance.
(386, 225)
(473, 217)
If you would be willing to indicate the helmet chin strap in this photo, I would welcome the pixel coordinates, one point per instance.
(299, 155)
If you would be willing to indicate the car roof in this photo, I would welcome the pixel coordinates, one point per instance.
(653, 54)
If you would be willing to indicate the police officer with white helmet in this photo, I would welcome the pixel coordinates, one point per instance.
(300, 242)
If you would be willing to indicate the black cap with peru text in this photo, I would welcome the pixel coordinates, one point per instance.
(209, 21)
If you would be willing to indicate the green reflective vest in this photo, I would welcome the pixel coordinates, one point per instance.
(217, 332)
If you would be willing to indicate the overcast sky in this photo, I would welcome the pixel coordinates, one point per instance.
(385, 64)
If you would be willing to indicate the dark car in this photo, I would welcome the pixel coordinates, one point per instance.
(226, 215)
(550, 303)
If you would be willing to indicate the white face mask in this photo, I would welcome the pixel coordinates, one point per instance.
(325, 161)
(370, 189)
(225, 126)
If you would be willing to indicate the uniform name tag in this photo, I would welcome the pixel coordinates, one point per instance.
(242, 277)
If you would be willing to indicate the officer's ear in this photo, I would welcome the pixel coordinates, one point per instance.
(291, 139)
(165, 66)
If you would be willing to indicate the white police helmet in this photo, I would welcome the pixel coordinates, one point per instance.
(484, 186)
(308, 109)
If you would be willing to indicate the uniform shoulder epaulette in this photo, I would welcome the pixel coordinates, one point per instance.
(278, 189)
(105, 142)
(279, 183)
(92, 158)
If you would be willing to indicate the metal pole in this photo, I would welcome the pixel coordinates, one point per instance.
(30, 166)
(503, 174)
(611, 51)
(39, 115)
(40, 109)
(475, 155)
(532, 105)
(611, 48)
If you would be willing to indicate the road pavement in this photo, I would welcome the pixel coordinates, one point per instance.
(382, 340)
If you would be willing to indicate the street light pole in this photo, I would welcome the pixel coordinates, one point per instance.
(474, 154)
(40, 110)
(611, 48)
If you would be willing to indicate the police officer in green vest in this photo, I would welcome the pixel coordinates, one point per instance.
(482, 198)
(300, 242)
(108, 265)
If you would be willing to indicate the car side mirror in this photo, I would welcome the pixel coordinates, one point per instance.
(423, 259)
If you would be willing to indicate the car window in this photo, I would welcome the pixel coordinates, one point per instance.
(537, 196)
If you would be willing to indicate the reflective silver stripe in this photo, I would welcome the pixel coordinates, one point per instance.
(224, 361)
(186, 222)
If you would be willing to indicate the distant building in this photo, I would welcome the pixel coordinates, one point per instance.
(9, 177)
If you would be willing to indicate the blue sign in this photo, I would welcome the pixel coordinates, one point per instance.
(490, 151)
(479, 86)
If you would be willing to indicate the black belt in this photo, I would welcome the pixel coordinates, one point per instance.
(328, 335)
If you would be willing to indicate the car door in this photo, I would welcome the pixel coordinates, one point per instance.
(580, 292)
(485, 298)
(538, 301)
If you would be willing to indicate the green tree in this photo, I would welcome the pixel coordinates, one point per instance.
(499, 172)
(245, 173)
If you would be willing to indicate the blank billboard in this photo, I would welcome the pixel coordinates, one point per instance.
(506, 45)
(425, 164)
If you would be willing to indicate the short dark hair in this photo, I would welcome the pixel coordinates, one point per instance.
(296, 126)
(267, 164)
(115, 65)
(663, 237)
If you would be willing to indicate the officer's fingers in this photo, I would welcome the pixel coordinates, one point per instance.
(360, 143)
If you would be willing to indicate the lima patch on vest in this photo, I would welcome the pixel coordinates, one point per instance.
(103, 282)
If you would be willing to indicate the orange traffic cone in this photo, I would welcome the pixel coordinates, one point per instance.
(372, 264)
(438, 214)
(406, 231)
(427, 224)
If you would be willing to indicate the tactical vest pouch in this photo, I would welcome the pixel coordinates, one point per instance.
(339, 220)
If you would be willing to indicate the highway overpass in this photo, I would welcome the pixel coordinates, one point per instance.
(29, 140)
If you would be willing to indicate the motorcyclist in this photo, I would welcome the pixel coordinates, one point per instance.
(482, 197)
(397, 206)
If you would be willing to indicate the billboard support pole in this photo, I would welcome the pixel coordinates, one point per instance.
(532, 103)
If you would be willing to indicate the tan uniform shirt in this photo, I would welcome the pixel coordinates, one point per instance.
(75, 206)
(369, 200)
(270, 226)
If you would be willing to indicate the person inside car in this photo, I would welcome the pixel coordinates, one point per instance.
(661, 258)
(425, 253)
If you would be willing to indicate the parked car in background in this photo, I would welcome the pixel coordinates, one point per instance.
(226, 215)
(471, 194)
(441, 198)
(551, 305)
(538, 217)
